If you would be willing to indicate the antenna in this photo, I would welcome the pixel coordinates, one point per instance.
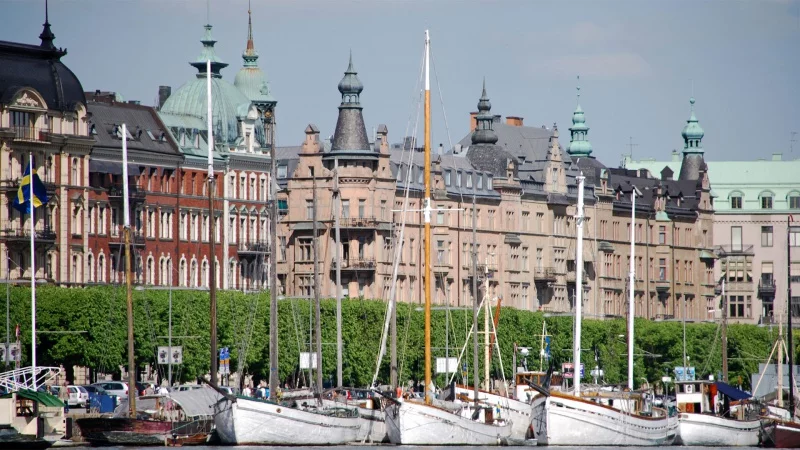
(208, 11)
(46, 13)
(631, 145)
(792, 140)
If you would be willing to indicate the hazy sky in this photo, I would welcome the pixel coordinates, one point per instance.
(636, 59)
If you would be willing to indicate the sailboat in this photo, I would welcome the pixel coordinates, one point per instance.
(569, 419)
(699, 421)
(410, 422)
(246, 421)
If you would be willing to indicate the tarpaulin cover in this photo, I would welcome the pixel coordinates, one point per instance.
(732, 392)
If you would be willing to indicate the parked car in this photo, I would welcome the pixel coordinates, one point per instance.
(78, 396)
(118, 388)
(140, 388)
(95, 389)
(188, 387)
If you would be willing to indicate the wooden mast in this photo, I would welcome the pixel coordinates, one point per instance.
(212, 272)
(427, 214)
(128, 287)
(789, 337)
(317, 324)
(474, 302)
(337, 257)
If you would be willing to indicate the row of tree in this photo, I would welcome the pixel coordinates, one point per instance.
(96, 318)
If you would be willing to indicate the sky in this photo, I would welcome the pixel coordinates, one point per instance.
(639, 62)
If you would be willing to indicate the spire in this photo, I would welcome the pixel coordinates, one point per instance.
(693, 160)
(350, 87)
(47, 36)
(250, 56)
(484, 131)
(578, 142)
(350, 136)
(208, 53)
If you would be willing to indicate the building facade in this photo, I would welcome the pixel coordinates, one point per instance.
(43, 113)
(754, 200)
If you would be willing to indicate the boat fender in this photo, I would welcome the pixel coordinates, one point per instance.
(278, 410)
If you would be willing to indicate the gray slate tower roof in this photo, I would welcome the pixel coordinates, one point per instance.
(693, 160)
(350, 140)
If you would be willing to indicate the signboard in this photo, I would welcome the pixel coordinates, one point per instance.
(176, 357)
(545, 352)
(224, 361)
(308, 360)
(446, 365)
(685, 374)
(14, 353)
(568, 370)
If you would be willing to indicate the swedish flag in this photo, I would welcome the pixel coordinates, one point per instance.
(23, 200)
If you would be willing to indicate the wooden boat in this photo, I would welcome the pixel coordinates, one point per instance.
(10, 438)
(699, 423)
(104, 431)
(781, 434)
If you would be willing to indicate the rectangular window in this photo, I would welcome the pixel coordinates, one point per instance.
(662, 269)
(383, 209)
(309, 209)
(794, 202)
(662, 235)
(447, 178)
(469, 180)
(794, 236)
(480, 181)
(489, 184)
(440, 216)
(766, 202)
(304, 249)
(736, 202)
(345, 208)
(766, 236)
(282, 171)
(458, 179)
(736, 239)
(362, 208)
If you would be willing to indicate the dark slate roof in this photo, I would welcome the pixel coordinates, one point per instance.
(524, 143)
(287, 156)
(24, 65)
(691, 166)
(590, 167)
(682, 202)
(141, 121)
(454, 163)
(490, 158)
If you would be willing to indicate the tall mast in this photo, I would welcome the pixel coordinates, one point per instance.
(427, 213)
(212, 271)
(724, 334)
(317, 324)
(789, 301)
(337, 257)
(273, 271)
(33, 269)
(475, 301)
(576, 346)
(128, 288)
(631, 305)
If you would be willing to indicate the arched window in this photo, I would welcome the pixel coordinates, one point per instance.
(75, 180)
(151, 270)
(193, 274)
(736, 198)
(205, 273)
(101, 268)
(90, 268)
(243, 273)
(793, 200)
(766, 199)
(183, 275)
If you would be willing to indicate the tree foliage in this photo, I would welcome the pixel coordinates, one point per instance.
(97, 322)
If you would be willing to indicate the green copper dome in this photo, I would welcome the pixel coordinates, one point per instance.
(692, 133)
(187, 106)
(578, 142)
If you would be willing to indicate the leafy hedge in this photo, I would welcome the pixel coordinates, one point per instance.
(100, 312)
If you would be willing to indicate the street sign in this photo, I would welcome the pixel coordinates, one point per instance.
(14, 354)
(684, 374)
(568, 370)
(308, 360)
(446, 365)
(164, 357)
(224, 361)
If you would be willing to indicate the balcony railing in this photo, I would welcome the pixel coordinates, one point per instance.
(42, 234)
(358, 222)
(137, 238)
(766, 288)
(544, 274)
(355, 264)
(253, 248)
(134, 193)
(35, 134)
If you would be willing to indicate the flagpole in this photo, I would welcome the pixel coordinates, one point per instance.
(33, 272)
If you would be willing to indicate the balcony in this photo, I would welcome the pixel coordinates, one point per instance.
(31, 134)
(355, 264)
(605, 247)
(137, 239)
(542, 274)
(253, 248)
(766, 288)
(135, 195)
(43, 235)
(662, 285)
(362, 223)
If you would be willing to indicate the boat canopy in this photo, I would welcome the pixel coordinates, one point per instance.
(732, 392)
(39, 397)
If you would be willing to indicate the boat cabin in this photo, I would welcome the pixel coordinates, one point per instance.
(713, 397)
(33, 413)
(523, 379)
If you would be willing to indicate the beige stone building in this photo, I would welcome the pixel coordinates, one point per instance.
(523, 186)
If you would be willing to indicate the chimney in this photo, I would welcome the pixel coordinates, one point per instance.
(514, 121)
(473, 121)
(496, 118)
(163, 94)
(777, 156)
(675, 156)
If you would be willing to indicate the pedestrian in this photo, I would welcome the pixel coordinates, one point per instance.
(246, 391)
(163, 390)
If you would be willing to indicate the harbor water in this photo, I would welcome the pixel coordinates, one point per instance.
(405, 446)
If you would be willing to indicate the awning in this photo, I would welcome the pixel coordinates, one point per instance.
(111, 167)
(732, 392)
(39, 397)
(705, 254)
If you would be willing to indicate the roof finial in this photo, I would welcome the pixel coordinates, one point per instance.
(250, 45)
(579, 90)
(47, 36)
(208, 11)
(46, 13)
(350, 68)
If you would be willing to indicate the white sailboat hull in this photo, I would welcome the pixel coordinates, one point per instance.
(711, 431)
(411, 423)
(258, 422)
(566, 420)
(373, 422)
(519, 413)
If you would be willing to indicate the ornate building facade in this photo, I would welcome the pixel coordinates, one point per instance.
(43, 113)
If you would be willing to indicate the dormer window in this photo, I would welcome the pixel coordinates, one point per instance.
(282, 171)
(469, 180)
(447, 178)
(736, 202)
(480, 181)
(458, 179)
(766, 201)
(489, 183)
(400, 169)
